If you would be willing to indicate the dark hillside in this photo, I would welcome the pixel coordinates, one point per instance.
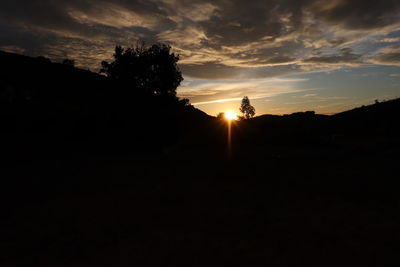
(380, 118)
(56, 107)
(296, 127)
(368, 129)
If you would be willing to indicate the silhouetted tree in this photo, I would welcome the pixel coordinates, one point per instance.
(69, 62)
(152, 69)
(247, 109)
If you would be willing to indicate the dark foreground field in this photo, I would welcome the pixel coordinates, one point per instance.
(282, 209)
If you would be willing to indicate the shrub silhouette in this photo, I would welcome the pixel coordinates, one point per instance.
(151, 69)
(184, 102)
(221, 116)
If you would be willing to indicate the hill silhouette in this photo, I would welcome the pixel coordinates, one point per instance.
(377, 119)
(95, 174)
(55, 106)
(367, 128)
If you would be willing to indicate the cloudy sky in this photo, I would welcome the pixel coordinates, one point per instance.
(286, 55)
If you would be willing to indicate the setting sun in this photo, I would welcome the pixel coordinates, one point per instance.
(230, 115)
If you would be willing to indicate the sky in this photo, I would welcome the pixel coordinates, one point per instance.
(285, 55)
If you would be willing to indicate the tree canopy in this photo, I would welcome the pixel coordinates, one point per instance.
(152, 69)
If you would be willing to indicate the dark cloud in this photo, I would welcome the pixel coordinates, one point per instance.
(18, 37)
(45, 14)
(359, 14)
(389, 59)
(388, 56)
(238, 22)
(284, 53)
(85, 18)
(347, 57)
(210, 70)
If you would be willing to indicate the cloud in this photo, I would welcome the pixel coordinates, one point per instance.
(357, 14)
(387, 56)
(390, 40)
(347, 57)
(210, 70)
(216, 39)
(225, 91)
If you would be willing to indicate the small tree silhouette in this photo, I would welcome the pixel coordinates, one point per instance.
(152, 69)
(247, 109)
